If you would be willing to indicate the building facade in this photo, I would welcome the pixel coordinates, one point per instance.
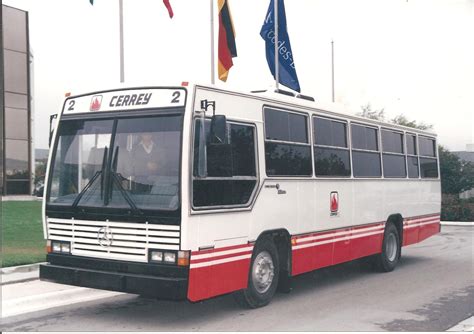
(16, 138)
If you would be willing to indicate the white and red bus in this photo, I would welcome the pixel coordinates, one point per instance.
(192, 192)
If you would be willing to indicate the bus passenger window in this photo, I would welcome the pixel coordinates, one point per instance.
(331, 153)
(428, 160)
(365, 151)
(393, 154)
(412, 158)
(287, 147)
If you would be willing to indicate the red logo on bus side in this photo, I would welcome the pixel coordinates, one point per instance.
(334, 202)
(96, 102)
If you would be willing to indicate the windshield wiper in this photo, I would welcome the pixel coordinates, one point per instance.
(92, 180)
(117, 180)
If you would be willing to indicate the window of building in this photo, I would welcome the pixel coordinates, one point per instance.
(365, 151)
(331, 152)
(412, 156)
(14, 29)
(17, 120)
(231, 173)
(287, 148)
(393, 156)
(16, 159)
(16, 74)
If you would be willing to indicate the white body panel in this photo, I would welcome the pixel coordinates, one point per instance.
(306, 205)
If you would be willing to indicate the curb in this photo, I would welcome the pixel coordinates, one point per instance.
(464, 326)
(444, 223)
(21, 269)
(20, 274)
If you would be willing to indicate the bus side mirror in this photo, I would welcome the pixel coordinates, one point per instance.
(51, 127)
(219, 130)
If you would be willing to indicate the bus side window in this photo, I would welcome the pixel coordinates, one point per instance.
(287, 147)
(365, 151)
(231, 168)
(394, 164)
(428, 160)
(331, 152)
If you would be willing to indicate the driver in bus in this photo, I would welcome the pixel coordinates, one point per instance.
(145, 157)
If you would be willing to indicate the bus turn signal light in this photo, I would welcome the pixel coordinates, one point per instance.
(183, 258)
(48, 246)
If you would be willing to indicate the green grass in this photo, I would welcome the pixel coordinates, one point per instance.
(22, 233)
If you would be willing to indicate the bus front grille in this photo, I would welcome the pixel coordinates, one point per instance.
(114, 240)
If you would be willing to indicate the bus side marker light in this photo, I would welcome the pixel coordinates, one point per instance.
(293, 242)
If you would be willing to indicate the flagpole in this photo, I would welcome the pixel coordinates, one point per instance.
(122, 62)
(213, 65)
(277, 73)
(332, 68)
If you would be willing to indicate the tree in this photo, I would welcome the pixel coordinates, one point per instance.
(456, 175)
(400, 119)
(367, 112)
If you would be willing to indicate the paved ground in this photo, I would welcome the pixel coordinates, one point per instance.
(431, 290)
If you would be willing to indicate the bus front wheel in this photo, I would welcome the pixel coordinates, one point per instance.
(388, 259)
(263, 276)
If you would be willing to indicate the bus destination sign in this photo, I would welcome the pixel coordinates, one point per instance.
(126, 100)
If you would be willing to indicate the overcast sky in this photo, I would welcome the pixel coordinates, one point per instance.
(414, 57)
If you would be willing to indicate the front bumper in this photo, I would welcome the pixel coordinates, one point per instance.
(157, 281)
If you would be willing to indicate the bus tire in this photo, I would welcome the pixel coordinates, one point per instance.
(263, 276)
(388, 259)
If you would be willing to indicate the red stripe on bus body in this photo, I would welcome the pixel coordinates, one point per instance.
(421, 222)
(220, 257)
(214, 250)
(422, 217)
(367, 226)
(314, 241)
(346, 229)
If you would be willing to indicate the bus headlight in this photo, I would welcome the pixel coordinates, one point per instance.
(170, 257)
(65, 247)
(156, 256)
(56, 247)
(59, 247)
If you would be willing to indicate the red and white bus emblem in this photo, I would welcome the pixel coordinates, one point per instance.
(96, 102)
(334, 203)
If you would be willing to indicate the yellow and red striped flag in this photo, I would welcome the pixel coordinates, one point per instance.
(227, 49)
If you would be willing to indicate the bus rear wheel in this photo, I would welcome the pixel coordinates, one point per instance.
(263, 276)
(388, 259)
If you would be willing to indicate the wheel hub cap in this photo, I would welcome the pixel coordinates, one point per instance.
(263, 272)
(391, 249)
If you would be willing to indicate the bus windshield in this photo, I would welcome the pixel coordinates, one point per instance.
(119, 163)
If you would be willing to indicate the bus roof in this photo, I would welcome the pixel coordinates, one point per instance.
(330, 109)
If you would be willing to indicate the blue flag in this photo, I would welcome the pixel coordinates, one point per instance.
(287, 72)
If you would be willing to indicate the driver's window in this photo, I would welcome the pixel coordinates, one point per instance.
(231, 176)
